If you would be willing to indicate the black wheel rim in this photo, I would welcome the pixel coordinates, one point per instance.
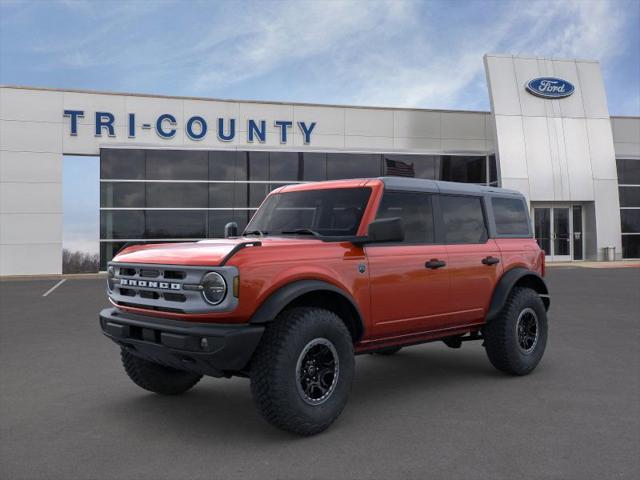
(527, 330)
(317, 371)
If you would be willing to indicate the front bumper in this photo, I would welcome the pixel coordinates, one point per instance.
(209, 349)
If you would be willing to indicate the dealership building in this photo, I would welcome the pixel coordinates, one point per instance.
(179, 169)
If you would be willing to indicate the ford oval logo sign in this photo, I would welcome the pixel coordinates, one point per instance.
(550, 87)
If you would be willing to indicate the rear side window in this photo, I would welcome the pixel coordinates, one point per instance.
(463, 219)
(511, 216)
(416, 213)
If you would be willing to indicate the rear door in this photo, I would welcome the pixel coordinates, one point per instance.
(474, 258)
(408, 296)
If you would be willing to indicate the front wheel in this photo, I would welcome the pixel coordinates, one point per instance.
(515, 341)
(302, 371)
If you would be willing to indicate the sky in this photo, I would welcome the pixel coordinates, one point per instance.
(389, 53)
(379, 53)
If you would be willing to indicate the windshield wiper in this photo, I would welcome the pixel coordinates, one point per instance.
(302, 231)
(256, 232)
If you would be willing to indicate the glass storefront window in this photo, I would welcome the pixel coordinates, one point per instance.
(122, 164)
(258, 166)
(126, 224)
(464, 169)
(177, 195)
(225, 180)
(630, 221)
(414, 166)
(177, 165)
(314, 166)
(629, 196)
(631, 246)
(176, 224)
(122, 195)
(285, 166)
(353, 165)
(628, 171)
(227, 165)
(221, 195)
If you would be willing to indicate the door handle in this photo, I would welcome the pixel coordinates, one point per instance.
(435, 263)
(490, 260)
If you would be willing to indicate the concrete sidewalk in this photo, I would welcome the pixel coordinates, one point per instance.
(587, 264)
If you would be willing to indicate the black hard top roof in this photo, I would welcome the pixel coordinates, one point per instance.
(438, 186)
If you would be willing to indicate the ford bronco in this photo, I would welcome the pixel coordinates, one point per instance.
(322, 272)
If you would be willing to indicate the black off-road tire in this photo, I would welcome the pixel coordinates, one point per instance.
(157, 378)
(275, 378)
(501, 337)
(388, 351)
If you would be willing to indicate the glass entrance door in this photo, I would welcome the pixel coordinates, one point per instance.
(558, 231)
(561, 234)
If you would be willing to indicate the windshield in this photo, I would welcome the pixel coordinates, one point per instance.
(330, 212)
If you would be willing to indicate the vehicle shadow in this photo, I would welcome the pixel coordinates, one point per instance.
(220, 406)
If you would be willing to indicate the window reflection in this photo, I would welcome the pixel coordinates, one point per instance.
(177, 195)
(177, 165)
(353, 165)
(176, 224)
(122, 195)
(124, 164)
(127, 224)
(510, 216)
(285, 166)
(239, 180)
(463, 219)
(415, 211)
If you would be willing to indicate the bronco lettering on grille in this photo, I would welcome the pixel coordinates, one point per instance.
(149, 284)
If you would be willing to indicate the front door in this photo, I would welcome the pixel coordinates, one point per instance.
(558, 231)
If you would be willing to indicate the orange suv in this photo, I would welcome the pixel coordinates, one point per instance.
(325, 271)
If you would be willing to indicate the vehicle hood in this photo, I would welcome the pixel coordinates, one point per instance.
(202, 253)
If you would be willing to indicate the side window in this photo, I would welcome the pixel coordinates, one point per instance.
(511, 216)
(463, 219)
(415, 211)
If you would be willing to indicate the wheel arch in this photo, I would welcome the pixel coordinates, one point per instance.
(516, 277)
(316, 293)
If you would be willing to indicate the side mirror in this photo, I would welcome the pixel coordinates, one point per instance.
(231, 230)
(385, 230)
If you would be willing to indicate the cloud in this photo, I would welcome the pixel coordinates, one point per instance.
(276, 38)
(387, 52)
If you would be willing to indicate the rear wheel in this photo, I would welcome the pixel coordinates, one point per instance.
(515, 341)
(157, 378)
(302, 371)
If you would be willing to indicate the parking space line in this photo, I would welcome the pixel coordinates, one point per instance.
(54, 287)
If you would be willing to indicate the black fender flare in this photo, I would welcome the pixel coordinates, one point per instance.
(278, 300)
(518, 275)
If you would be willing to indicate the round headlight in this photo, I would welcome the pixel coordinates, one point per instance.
(214, 288)
(111, 273)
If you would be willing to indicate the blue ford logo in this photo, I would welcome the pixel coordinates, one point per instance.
(550, 87)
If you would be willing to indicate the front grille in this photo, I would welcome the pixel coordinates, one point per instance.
(149, 294)
(146, 273)
(166, 287)
(174, 297)
(174, 274)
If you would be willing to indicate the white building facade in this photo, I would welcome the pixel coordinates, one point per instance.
(175, 168)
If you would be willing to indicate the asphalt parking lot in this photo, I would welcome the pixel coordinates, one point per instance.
(67, 410)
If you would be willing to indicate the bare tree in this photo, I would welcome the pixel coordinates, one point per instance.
(79, 262)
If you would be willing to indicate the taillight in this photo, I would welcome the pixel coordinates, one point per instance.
(543, 264)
